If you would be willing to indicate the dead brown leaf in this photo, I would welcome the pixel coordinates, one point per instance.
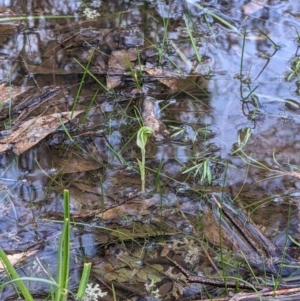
(134, 208)
(8, 27)
(41, 69)
(15, 258)
(113, 81)
(120, 59)
(165, 251)
(167, 78)
(8, 95)
(118, 62)
(33, 131)
(151, 120)
(74, 164)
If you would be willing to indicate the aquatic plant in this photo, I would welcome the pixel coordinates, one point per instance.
(85, 290)
(202, 168)
(60, 286)
(294, 70)
(16, 278)
(141, 141)
(192, 39)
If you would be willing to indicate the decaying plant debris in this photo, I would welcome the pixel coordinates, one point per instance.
(185, 72)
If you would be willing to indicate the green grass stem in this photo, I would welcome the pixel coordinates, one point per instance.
(81, 83)
(13, 273)
(46, 281)
(267, 37)
(192, 39)
(88, 108)
(166, 22)
(242, 54)
(92, 75)
(25, 18)
(180, 53)
(84, 280)
(64, 253)
(215, 16)
(114, 292)
(137, 76)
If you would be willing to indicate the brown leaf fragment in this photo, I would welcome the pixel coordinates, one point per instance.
(167, 78)
(150, 119)
(113, 81)
(119, 61)
(34, 130)
(165, 288)
(134, 208)
(15, 258)
(9, 94)
(74, 164)
(8, 25)
(165, 251)
(41, 69)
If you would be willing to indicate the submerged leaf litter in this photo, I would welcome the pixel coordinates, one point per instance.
(217, 83)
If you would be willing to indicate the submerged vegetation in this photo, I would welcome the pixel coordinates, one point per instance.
(172, 128)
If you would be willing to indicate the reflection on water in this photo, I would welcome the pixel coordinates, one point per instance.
(236, 59)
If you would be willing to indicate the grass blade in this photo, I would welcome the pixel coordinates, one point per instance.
(81, 83)
(192, 39)
(26, 294)
(84, 280)
(64, 253)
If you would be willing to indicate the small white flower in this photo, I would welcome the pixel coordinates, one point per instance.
(150, 286)
(90, 13)
(92, 293)
(153, 293)
(156, 294)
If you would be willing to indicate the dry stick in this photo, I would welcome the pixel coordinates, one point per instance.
(241, 230)
(215, 299)
(269, 293)
(269, 248)
(26, 67)
(211, 261)
(217, 283)
(27, 108)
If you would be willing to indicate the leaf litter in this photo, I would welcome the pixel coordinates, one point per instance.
(30, 132)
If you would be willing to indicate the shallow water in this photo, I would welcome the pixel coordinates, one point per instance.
(240, 86)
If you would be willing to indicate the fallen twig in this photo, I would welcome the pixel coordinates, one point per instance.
(217, 283)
